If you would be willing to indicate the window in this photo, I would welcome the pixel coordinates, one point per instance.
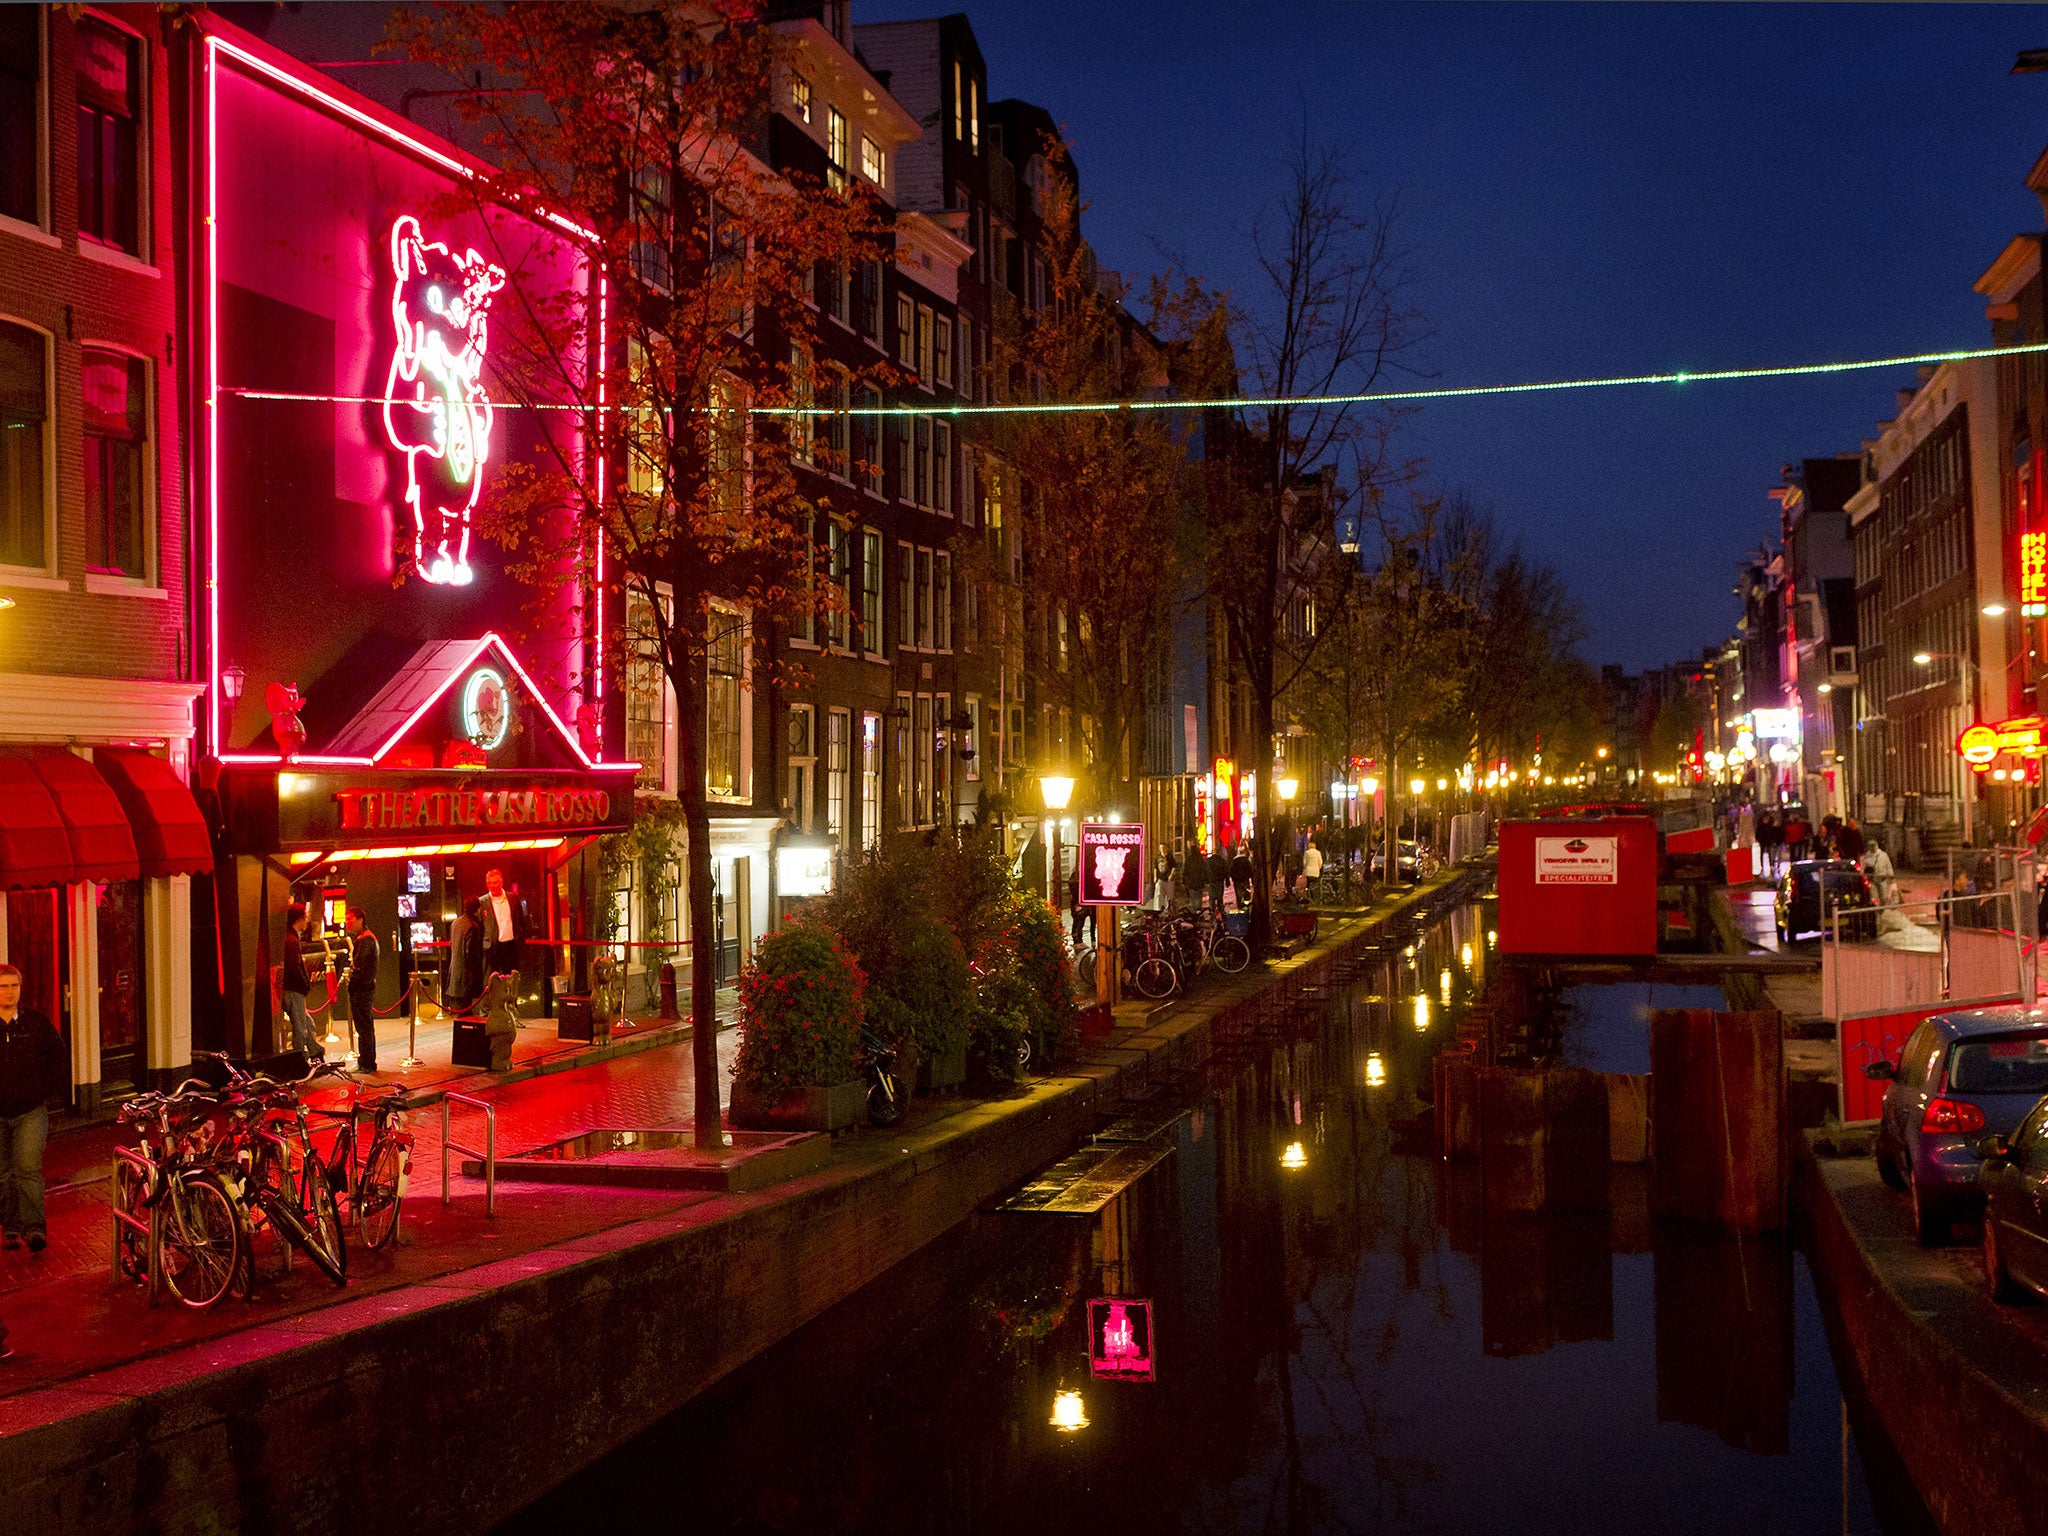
(871, 591)
(870, 780)
(871, 301)
(725, 767)
(872, 465)
(906, 331)
(835, 625)
(924, 599)
(970, 491)
(970, 616)
(921, 764)
(654, 220)
(839, 426)
(905, 459)
(959, 105)
(24, 448)
(905, 803)
(921, 460)
(942, 758)
(803, 628)
(970, 743)
(109, 110)
(906, 606)
(803, 762)
(803, 395)
(646, 434)
(649, 703)
(966, 380)
(974, 114)
(800, 97)
(873, 163)
(21, 113)
(839, 293)
(924, 345)
(942, 466)
(942, 599)
(942, 351)
(838, 753)
(835, 146)
(728, 446)
(115, 392)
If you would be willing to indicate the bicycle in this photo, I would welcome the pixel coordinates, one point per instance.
(1154, 975)
(280, 1204)
(373, 1184)
(175, 1223)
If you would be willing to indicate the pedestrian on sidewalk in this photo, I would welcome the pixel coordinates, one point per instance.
(1241, 876)
(297, 983)
(465, 980)
(506, 926)
(362, 986)
(32, 1069)
(1169, 866)
(1219, 872)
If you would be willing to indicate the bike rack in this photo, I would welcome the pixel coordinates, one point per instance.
(146, 1227)
(489, 1153)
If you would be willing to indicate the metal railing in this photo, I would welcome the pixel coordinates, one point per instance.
(489, 1152)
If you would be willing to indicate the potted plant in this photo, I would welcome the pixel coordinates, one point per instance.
(800, 1017)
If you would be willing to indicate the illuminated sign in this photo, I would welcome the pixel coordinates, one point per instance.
(1112, 864)
(1774, 724)
(2034, 573)
(1979, 744)
(435, 408)
(803, 871)
(486, 709)
(394, 810)
(1120, 1339)
(1578, 861)
(419, 877)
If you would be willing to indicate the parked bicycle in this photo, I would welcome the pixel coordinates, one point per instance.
(370, 1175)
(176, 1227)
(279, 1181)
(886, 1094)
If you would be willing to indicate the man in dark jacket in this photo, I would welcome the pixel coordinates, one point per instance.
(295, 982)
(465, 982)
(1241, 876)
(32, 1068)
(506, 926)
(1219, 872)
(362, 987)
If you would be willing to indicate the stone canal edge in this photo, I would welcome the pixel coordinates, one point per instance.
(450, 1404)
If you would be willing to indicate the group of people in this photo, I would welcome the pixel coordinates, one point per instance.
(1783, 837)
(489, 937)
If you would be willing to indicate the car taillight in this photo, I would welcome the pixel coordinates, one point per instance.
(1951, 1117)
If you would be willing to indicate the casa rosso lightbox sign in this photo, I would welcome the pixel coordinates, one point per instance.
(1112, 864)
(1120, 1339)
(1577, 861)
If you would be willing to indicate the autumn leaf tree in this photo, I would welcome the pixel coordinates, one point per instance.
(645, 127)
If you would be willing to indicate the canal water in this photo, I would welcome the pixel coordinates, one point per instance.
(1340, 1339)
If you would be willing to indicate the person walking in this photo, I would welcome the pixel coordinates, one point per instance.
(1849, 841)
(1169, 866)
(464, 983)
(1312, 865)
(505, 926)
(362, 986)
(32, 1069)
(296, 983)
(1241, 876)
(1219, 872)
(1877, 864)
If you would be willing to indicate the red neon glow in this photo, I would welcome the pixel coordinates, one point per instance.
(423, 850)
(435, 407)
(1120, 1339)
(2034, 572)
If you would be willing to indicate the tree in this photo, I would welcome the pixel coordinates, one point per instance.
(640, 125)
(1101, 539)
(1325, 322)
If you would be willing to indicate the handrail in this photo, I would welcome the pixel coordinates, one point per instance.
(489, 1154)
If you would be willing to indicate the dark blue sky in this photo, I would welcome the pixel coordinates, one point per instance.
(1610, 188)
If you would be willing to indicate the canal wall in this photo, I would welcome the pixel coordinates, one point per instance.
(448, 1405)
(1962, 1390)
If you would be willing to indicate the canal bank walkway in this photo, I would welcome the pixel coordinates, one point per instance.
(575, 1317)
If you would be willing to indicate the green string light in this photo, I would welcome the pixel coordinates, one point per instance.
(1275, 402)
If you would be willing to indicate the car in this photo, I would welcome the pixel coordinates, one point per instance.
(1962, 1079)
(2015, 1185)
(1407, 859)
(1811, 891)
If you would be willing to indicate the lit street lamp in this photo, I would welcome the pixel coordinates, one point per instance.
(1057, 791)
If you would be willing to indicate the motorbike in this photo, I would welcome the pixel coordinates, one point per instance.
(886, 1090)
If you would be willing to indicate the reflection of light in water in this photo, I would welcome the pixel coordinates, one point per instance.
(1465, 956)
(1492, 938)
(1297, 1109)
(1068, 1414)
(1444, 985)
(1409, 951)
(1376, 1069)
(1422, 1010)
(1294, 1156)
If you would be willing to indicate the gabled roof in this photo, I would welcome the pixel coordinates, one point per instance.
(423, 681)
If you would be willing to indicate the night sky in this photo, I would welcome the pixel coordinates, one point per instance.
(1611, 188)
(1598, 189)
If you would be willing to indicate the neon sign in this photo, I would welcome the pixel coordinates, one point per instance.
(1120, 1339)
(435, 407)
(486, 709)
(2034, 574)
(1980, 744)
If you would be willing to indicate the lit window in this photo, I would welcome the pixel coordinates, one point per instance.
(835, 141)
(959, 104)
(873, 163)
(725, 706)
(803, 764)
(800, 97)
(924, 345)
(942, 351)
(115, 392)
(649, 711)
(974, 114)
(24, 448)
(838, 757)
(803, 396)
(870, 780)
(109, 111)
(871, 590)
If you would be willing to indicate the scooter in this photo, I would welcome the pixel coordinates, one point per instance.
(886, 1092)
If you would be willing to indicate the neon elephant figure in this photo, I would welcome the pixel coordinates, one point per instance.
(435, 408)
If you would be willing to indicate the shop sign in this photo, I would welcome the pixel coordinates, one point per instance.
(438, 810)
(1120, 1339)
(1112, 864)
(486, 709)
(1774, 724)
(1577, 861)
(803, 871)
(1980, 744)
(2034, 573)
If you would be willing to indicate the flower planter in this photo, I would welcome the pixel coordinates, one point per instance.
(799, 1109)
(937, 1074)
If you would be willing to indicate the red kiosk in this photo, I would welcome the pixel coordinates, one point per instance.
(1584, 885)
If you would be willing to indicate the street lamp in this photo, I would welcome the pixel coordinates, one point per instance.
(1294, 1157)
(1966, 703)
(1057, 791)
(1068, 1412)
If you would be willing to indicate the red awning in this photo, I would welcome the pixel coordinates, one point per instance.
(102, 846)
(34, 849)
(170, 833)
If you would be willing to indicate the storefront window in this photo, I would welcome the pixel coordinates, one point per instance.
(121, 979)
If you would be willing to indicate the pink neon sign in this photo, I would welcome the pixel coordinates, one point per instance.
(435, 406)
(1120, 1339)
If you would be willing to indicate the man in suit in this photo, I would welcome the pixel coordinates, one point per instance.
(505, 925)
(362, 987)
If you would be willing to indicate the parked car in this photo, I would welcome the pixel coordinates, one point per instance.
(1962, 1079)
(1813, 890)
(2015, 1185)
(1407, 859)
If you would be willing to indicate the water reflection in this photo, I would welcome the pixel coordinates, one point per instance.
(1344, 1339)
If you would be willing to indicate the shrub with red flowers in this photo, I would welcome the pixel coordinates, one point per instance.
(800, 1011)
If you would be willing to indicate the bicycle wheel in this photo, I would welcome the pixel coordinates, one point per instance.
(326, 1246)
(202, 1241)
(1154, 978)
(885, 1100)
(375, 1205)
(1231, 954)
